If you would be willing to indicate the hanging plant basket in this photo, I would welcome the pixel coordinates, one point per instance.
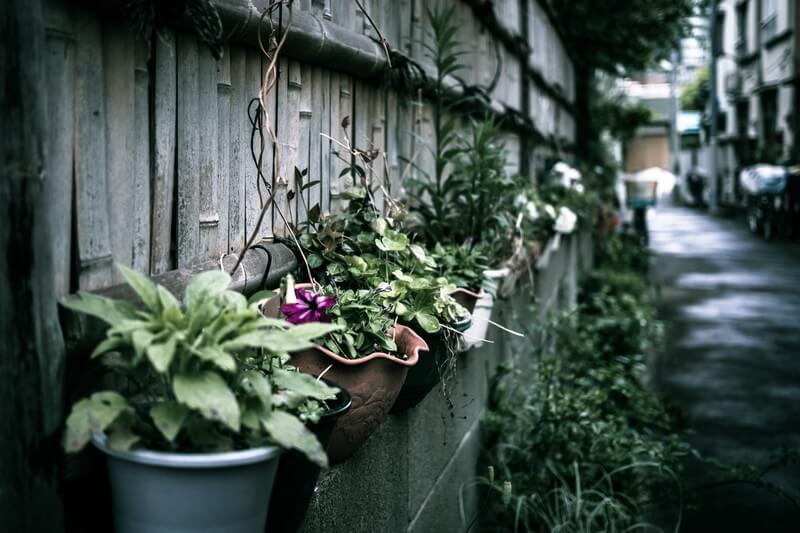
(467, 298)
(373, 382)
(430, 370)
(481, 315)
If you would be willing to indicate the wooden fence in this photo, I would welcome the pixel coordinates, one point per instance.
(149, 146)
(139, 153)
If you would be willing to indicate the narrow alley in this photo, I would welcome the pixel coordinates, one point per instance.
(731, 307)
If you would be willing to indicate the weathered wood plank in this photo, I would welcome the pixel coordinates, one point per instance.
(341, 108)
(324, 103)
(206, 122)
(91, 202)
(255, 190)
(119, 82)
(319, 108)
(344, 14)
(377, 141)
(60, 71)
(288, 132)
(393, 143)
(362, 128)
(304, 146)
(239, 153)
(141, 173)
(188, 143)
(164, 143)
(223, 151)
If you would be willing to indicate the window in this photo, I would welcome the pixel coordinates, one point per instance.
(769, 19)
(741, 24)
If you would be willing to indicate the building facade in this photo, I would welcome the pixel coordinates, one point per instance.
(756, 87)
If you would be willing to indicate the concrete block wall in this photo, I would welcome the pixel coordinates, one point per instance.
(410, 474)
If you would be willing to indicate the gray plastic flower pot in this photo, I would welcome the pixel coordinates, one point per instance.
(160, 492)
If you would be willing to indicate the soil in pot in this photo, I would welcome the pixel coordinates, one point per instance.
(297, 476)
(373, 382)
(190, 492)
(430, 370)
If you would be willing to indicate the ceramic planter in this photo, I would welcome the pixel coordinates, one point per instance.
(189, 492)
(425, 375)
(297, 476)
(373, 382)
(481, 314)
(467, 298)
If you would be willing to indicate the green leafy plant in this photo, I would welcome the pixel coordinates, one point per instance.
(444, 50)
(424, 301)
(207, 374)
(364, 321)
(581, 410)
(463, 266)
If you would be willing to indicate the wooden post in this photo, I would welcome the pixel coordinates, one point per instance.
(31, 348)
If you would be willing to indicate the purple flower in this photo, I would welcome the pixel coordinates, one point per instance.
(310, 307)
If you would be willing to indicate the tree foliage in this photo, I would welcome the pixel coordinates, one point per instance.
(696, 94)
(622, 35)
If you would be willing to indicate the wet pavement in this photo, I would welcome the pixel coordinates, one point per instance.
(731, 361)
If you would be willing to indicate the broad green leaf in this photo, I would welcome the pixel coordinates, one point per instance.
(392, 241)
(120, 437)
(258, 385)
(108, 345)
(168, 417)
(427, 321)
(92, 415)
(276, 341)
(143, 286)
(303, 384)
(206, 285)
(312, 330)
(161, 354)
(419, 252)
(380, 226)
(109, 311)
(314, 260)
(234, 301)
(216, 355)
(170, 306)
(142, 339)
(261, 295)
(208, 393)
(288, 431)
(402, 276)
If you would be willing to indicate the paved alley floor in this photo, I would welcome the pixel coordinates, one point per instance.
(731, 364)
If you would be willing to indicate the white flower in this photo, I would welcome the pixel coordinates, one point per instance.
(568, 174)
(565, 223)
(520, 200)
(578, 188)
(531, 211)
(550, 210)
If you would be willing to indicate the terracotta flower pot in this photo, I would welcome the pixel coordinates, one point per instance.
(373, 382)
(423, 377)
(466, 297)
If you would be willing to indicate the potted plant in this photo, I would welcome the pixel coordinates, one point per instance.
(368, 355)
(203, 404)
(463, 266)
